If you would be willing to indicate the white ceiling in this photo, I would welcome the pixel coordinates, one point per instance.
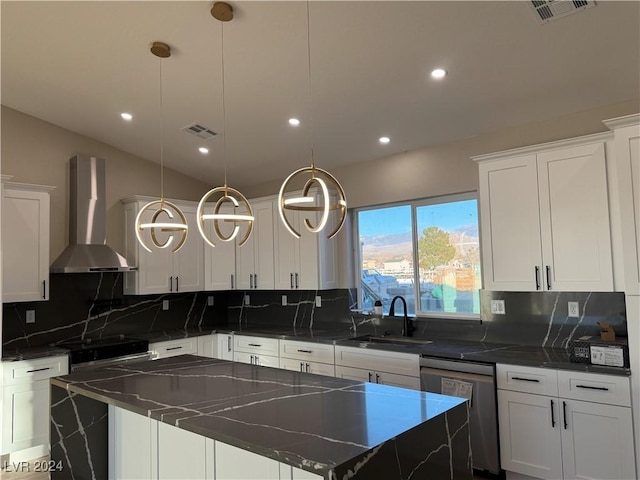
(78, 64)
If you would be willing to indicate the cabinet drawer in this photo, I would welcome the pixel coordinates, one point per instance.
(593, 387)
(262, 345)
(253, 359)
(172, 348)
(307, 367)
(316, 352)
(378, 360)
(36, 369)
(541, 381)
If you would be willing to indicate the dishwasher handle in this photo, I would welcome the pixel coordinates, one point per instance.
(487, 369)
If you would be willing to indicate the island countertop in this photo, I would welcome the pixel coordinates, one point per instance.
(313, 422)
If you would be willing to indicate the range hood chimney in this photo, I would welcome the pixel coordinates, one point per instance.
(87, 250)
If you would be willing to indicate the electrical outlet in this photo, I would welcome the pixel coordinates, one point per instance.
(318, 301)
(210, 301)
(247, 300)
(497, 307)
(31, 316)
(574, 309)
(284, 300)
(165, 304)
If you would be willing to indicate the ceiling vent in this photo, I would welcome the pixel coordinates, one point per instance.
(548, 10)
(200, 131)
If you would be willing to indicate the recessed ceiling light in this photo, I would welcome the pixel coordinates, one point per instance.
(126, 116)
(294, 122)
(438, 73)
(384, 139)
(203, 150)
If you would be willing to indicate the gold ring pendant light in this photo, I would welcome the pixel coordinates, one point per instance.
(163, 209)
(225, 195)
(318, 183)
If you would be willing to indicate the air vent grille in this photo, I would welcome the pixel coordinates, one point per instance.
(200, 131)
(548, 10)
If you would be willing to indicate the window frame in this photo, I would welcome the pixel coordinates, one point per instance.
(415, 204)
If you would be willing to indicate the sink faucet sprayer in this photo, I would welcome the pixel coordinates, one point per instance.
(407, 328)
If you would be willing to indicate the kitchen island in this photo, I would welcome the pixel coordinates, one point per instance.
(301, 425)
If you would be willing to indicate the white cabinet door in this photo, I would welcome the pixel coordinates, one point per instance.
(133, 447)
(25, 243)
(287, 253)
(307, 367)
(25, 413)
(183, 455)
(574, 219)
(208, 346)
(627, 148)
(597, 441)
(510, 225)
(350, 373)
(225, 346)
(255, 359)
(530, 434)
(188, 262)
(161, 271)
(297, 474)
(255, 260)
(232, 463)
(383, 378)
(219, 261)
(311, 351)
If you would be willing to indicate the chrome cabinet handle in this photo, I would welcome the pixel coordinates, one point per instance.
(255, 280)
(251, 357)
(564, 414)
(232, 281)
(228, 343)
(173, 348)
(304, 351)
(257, 360)
(171, 284)
(251, 280)
(296, 280)
(553, 418)
(177, 288)
(548, 268)
(369, 376)
(537, 273)
(291, 280)
(377, 378)
(44, 289)
(254, 345)
(307, 367)
(301, 366)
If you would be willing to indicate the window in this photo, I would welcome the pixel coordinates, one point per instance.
(426, 251)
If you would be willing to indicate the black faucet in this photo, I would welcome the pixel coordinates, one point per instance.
(407, 329)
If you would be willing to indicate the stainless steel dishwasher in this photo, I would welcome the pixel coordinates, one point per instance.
(477, 382)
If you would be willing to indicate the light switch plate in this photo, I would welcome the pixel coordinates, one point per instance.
(574, 309)
(210, 301)
(165, 304)
(318, 301)
(284, 300)
(31, 316)
(497, 307)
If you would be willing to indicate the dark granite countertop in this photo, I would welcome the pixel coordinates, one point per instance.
(309, 421)
(30, 353)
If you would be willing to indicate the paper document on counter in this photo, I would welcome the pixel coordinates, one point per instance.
(456, 388)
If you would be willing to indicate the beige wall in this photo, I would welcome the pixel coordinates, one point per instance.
(34, 151)
(448, 168)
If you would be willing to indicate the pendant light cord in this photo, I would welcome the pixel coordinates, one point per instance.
(310, 89)
(224, 108)
(161, 139)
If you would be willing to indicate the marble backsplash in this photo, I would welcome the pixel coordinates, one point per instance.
(93, 305)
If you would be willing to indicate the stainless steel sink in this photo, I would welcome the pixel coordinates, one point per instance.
(391, 339)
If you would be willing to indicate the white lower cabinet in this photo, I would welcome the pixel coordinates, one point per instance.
(172, 348)
(255, 359)
(25, 405)
(256, 350)
(307, 357)
(561, 436)
(208, 345)
(143, 448)
(225, 346)
(378, 366)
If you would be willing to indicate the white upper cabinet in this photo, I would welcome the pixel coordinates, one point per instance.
(545, 218)
(254, 260)
(161, 271)
(305, 263)
(627, 151)
(219, 261)
(25, 242)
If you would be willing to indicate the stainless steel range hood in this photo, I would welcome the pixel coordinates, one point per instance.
(87, 250)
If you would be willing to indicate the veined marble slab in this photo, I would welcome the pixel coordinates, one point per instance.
(333, 427)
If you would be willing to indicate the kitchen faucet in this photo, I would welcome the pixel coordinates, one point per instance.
(407, 328)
